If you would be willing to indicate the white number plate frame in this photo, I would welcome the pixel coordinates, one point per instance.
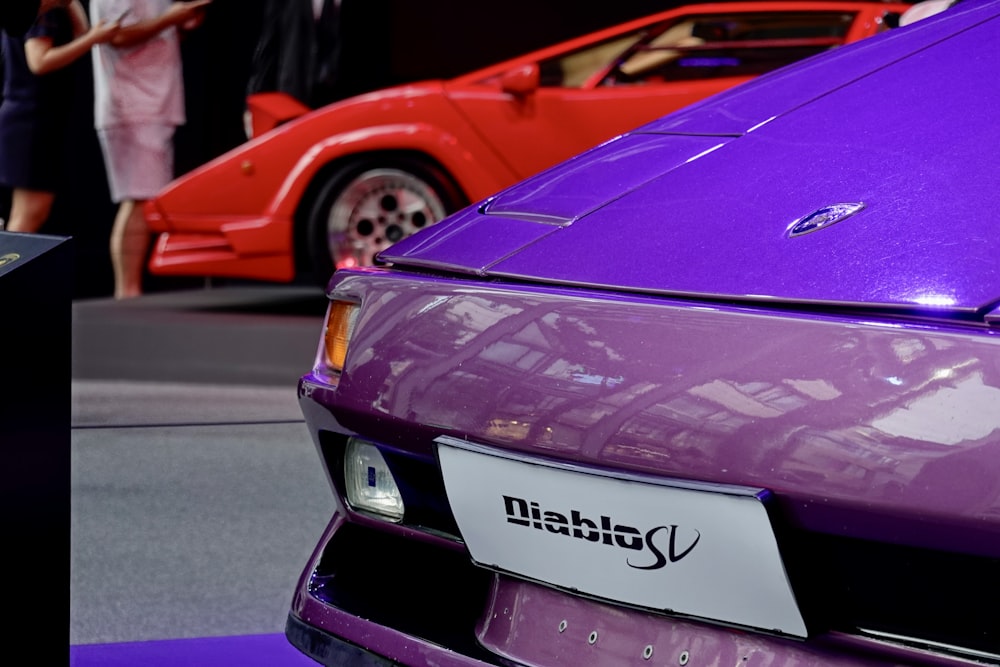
(700, 550)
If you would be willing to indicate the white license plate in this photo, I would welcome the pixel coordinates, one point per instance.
(696, 550)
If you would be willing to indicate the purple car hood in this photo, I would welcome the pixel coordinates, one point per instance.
(885, 149)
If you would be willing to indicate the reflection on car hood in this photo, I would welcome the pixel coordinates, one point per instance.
(702, 202)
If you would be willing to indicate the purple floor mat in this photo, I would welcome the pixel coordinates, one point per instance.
(244, 651)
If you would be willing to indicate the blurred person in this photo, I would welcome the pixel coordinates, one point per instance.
(138, 105)
(16, 16)
(298, 51)
(37, 98)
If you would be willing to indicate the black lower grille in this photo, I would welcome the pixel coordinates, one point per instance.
(432, 593)
(865, 587)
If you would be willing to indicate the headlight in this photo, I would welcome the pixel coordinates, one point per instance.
(341, 317)
(369, 483)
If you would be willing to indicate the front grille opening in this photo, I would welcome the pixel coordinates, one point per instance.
(944, 601)
(933, 600)
(425, 591)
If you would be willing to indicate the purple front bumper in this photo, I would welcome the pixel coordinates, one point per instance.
(343, 609)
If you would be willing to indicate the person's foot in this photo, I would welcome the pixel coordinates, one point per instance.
(127, 293)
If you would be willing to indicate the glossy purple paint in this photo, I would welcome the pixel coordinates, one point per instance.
(642, 309)
(909, 413)
(625, 639)
(521, 622)
(714, 224)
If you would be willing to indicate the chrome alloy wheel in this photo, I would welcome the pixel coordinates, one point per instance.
(376, 209)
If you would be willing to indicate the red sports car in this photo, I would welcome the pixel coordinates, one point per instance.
(330, 188)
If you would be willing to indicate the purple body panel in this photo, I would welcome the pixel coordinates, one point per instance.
(860, 427)
(717, 225)
(523, 619)
(643, 310)
(624, 638)
(542, 206)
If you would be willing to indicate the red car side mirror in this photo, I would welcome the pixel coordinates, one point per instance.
(521, 81)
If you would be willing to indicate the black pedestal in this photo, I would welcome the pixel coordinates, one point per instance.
(36, 275)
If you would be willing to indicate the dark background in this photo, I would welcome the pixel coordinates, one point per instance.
(386, 42)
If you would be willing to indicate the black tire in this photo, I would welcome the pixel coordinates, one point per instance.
(367, 205)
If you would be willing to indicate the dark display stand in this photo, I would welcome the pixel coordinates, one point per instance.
(36, 283)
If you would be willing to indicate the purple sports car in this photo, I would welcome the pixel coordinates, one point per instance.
(762, 427)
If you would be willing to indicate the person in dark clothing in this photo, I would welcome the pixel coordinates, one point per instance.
(299, 51)
(37, 93)
(16, 16)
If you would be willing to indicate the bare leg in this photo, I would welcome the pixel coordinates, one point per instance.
(29, 209)
(129, 243)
